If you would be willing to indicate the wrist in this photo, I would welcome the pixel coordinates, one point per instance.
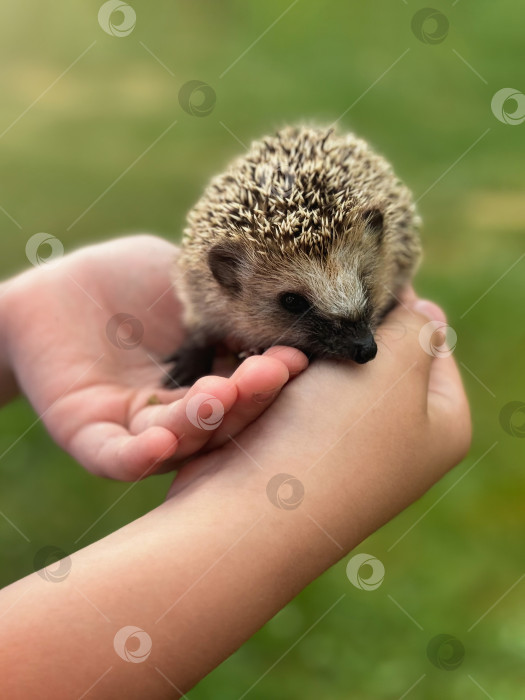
(343, 483)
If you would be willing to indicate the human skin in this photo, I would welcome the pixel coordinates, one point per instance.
(202, 572)
(93, 396)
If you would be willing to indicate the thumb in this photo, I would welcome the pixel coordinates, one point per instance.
(447, 404)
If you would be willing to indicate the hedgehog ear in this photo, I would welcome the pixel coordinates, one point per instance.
(224, 261)
(373, 219)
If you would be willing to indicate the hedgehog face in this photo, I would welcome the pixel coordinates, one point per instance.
(322, 335)
(322, 305)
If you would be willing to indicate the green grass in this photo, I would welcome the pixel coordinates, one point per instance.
(424, 113)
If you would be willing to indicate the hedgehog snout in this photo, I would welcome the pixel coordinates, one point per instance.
(359, 350)
(347, 341)
(364, 350)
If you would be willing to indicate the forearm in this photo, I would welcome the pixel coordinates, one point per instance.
(200, 575)
(8, 384)
(204, 571)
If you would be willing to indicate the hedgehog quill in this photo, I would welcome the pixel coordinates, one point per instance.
(304, 241)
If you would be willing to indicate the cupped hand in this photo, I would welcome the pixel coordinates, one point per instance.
(370, 438)
(86, 339)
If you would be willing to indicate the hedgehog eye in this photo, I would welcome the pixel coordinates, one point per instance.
(294, 303)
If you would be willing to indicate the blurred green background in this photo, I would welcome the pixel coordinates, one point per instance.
(66, 141)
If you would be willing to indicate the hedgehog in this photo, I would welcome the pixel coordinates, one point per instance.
(306, 240)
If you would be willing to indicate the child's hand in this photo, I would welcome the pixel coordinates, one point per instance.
(389, 428)
(215, 409)
(96, 381)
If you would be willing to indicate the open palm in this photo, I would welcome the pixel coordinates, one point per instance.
(86, 339)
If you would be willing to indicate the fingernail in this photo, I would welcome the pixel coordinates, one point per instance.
(430, 310)
(265, 396)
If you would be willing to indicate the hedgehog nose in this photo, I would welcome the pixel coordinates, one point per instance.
(365, 349)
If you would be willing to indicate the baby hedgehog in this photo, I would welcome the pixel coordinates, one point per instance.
(304, 241)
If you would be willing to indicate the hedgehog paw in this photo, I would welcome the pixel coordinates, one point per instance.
(191, 363)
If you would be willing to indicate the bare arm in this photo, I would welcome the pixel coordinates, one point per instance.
(201, 573)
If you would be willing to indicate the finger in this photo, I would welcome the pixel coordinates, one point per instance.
(150, 413)
(445, 399)
(108, 449)
(295, 360)
(259, 381)
(445, 383)
(410, 306)
(399, 341)
(154, 397)
(429, 309)
(193, 417)
(408, 340)
(407, 296)
(448, 408)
